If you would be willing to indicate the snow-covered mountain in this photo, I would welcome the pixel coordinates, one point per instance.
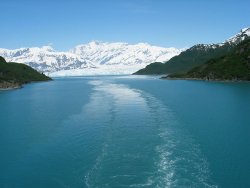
(99, 58)
(234, 40)
(45, 59)
(94, 58)
(242, 35)
(195, 56)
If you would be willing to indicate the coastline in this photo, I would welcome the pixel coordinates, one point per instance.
(10, 88)
(202, 79)
(4, 85)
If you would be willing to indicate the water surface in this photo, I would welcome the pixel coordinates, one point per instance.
(125, 132)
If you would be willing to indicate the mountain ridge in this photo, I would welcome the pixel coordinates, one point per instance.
(195, 56)
(91, 58)
(234, 66)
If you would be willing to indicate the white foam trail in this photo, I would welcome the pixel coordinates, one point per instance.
(179, 155)
(179, 162)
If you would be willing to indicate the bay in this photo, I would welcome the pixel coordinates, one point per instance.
(125, 131)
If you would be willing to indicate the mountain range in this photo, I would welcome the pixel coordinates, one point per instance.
(234, 66)
(195, 56)
(94, 58)
(100, 58)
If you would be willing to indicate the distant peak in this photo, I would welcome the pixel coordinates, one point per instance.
(47, 48)
(95, 42)
(245, 29)
(142, 43)
(242, 35)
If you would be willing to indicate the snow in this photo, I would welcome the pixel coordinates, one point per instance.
(242, 35)
(247, 32)
(123, 53)
(100, 58)
(91, 59)
(244, 29)
(102, 70)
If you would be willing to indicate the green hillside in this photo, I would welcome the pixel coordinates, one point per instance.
(16, 74)
(232, 66)
(194, 56)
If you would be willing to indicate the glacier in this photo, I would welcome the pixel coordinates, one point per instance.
(101, 58)
(93, 58)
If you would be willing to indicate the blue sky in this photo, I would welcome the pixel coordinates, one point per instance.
(167, 23)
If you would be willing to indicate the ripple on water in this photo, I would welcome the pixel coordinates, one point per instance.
(143, 144)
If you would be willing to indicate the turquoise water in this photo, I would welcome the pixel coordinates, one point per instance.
(125, 131)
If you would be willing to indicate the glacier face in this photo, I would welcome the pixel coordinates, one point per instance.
(94, 58)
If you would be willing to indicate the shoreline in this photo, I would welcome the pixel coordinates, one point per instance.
(5, 85)
(21, 85)
(210, 80)
(10, 88)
